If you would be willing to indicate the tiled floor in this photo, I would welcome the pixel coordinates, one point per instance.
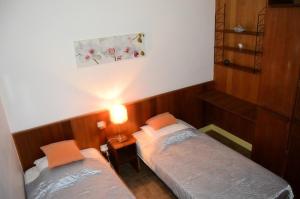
(145, 184)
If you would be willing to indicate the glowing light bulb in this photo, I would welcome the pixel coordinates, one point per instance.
(118, 114)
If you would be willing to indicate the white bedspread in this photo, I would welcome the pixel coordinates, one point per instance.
(197, 166)
(91, 178)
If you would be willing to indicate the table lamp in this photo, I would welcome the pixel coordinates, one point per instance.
(118, 116)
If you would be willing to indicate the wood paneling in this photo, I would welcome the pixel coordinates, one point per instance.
(274, 89)
(230, 104)
(270, 141)
(276, 139)
(281, 63)
(183, 103)
(242, 12)
(297, 106)
(86, 132)
(240, 84)
(28, 142)
(239, 58)
(292, 174)
(232, 123)
(230, 113)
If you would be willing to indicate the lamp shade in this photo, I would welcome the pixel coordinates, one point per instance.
(118, 114)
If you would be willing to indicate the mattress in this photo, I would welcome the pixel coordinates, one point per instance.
(90, 178)
(194, 165)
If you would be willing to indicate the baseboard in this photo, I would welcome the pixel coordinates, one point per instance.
(228, 135)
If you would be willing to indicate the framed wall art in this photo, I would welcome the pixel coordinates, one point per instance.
(110, 49)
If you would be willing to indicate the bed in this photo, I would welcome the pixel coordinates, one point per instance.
(90, 178)
(194, 165)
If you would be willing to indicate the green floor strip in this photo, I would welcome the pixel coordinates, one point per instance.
(228, 135)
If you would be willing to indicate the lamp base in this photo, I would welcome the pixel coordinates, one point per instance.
(121, 137)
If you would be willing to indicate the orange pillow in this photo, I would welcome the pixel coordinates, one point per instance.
(61, 153)
(161, 120)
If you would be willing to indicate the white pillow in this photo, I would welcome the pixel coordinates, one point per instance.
(142, 138)
(31, 174)
(42, 163)
(148, 130)
(164, 131)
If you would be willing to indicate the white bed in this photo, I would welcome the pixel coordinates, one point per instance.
(194, 165)
(89, 178)
(42, 163)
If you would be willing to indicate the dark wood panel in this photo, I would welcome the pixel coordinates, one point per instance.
(270, 141)
(230, 104)
(230, 122)
(297, 106)
(242, 12)
(195, 115)
(292, 174)
(240, 84)
(138, 113)
(28, 143)
(86, 132)
(230, 113)
(281, 63)
(183, 103)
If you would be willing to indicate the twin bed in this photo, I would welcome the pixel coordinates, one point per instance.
(194, 165)
(191, 164)
(89, 178)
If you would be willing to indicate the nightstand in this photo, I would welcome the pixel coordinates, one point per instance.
(123, 152)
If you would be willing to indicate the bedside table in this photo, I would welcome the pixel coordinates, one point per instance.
(123, 152)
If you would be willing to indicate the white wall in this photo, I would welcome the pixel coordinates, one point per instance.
(40, 83)
(11, 174)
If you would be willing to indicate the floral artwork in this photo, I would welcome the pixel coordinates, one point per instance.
(110, 49)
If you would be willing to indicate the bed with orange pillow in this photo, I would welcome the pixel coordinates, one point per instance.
(67, 172)
(194, 165)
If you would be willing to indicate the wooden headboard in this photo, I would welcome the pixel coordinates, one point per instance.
(82, 129)
(28, 143)
(183, 103)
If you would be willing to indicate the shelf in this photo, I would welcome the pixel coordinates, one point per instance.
(243, 109)
(240, 67)
(245, 51)
(284, 5)
(230, 31)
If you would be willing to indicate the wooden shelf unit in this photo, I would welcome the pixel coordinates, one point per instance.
(250, 33)
(222, 45)
(248, 69)
(238, 50)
